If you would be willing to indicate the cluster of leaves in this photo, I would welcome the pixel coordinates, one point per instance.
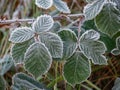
(37, 46)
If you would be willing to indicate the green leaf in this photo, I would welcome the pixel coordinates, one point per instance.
(45, 4)
(77, 68)
(93, 9)
(5, 64)
(2, 83)
(116, 51)
(22, 81)
(21, 35)
(56, 27)
(108, 21)
(69, 42)
(43, 23)
(117, 2)
(54, 44)
(93, 48)
(108, 41)
(90, 1)
(38, 59)
(61, 6)
(116, 84)
(19, 49)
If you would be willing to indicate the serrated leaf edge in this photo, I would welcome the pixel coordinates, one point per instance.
(48, 53)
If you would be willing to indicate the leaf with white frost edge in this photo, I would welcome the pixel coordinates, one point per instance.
(61, 6)
(22, 81)
(92, 47)
(21, 34)
(45, 4)
(93, 9)
(54, 44)
(43, 23)
(69, 39)
(38, 59)
(77, 68)
(116, 51)
(19, 49)
(116, 84)
(108, 20)
(5, 64)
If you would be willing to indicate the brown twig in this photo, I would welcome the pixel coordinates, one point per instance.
(2, 22)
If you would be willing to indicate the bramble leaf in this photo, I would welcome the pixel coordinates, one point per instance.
(37, 59)
(93, 9)
(5, 64)
(54, 44)
(19, 49)
(116, 84)
(108, 21)
(22, 81)
(61, 6)
(45, 4)
(43, 23)
(93, 48)
(22, 34)
(116, 51)
(77, 68)
(69, 39)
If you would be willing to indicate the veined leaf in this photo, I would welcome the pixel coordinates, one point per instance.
(22, 34)
(108, 21)
(93, 9)
(2, 83)
(90, 1)
(56, 27)
(77, 68)
(45, 4)
(19, 49)
(24, 82)
(107, 40)
(54, 44)
(93, 48)
(116, 51)
(43, 23)
(69, 42)
(117, 2)
(5, 64)
(116, 84)
(37, 59)
(61, 6)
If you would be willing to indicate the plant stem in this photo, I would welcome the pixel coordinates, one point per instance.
(88, 88)
(56, 69)
(32, 20)
(92, 85)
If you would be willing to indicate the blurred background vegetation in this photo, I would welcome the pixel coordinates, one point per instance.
(102, 76)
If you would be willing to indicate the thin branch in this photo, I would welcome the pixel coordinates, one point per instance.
(32, 20)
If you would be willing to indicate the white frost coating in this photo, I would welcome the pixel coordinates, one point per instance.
(61, 6)
(91, 10)
(90, 35)
(21, 34)
(31, 51)
(43, 23)
(54, 44)
(45, 4)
